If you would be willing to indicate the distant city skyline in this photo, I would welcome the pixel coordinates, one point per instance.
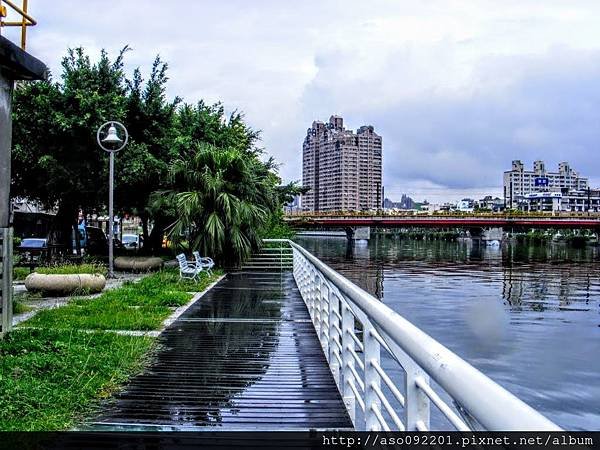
(458, 89)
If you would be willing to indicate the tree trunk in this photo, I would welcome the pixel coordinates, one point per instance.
(145, 237)
(155, 239)
(61, 234)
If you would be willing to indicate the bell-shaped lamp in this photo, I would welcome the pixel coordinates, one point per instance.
(112, 137)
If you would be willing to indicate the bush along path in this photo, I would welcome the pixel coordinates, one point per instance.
(57, 366)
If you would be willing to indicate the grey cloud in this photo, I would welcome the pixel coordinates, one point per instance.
(457, 89)
(543, 107)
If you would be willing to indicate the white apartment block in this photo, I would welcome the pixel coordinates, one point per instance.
(519, 182)
(342, 169)
(573, 201)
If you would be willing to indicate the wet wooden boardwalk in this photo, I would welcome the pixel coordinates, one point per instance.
(244, 357)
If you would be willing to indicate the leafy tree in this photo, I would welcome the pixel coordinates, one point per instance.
(208, 123)
(223, 198)
(194, 125)
(208, 162)
(55, 157)
(150, 119)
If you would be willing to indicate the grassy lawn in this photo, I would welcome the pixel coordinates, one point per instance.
(53, 372)
(139, 306)
(169, 279)
(20, 273)
(50, 379)
(20, 308)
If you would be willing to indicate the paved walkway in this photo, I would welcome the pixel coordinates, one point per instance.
(244, 357)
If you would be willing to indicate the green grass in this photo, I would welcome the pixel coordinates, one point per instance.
(27, 296)
(140, 306)
(53, 372)
(168, 279)
(20, 273)
(73, 269)
(52, 379)
(20, 308)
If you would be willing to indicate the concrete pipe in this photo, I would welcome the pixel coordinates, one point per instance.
(56, 285)
(138, 263)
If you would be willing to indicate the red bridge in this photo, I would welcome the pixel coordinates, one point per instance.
(472, 221)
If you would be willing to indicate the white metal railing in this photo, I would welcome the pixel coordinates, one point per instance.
(353, 327)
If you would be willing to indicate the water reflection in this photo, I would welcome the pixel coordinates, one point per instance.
(527, 316)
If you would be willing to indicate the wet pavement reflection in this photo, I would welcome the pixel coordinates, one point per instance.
(244, 357)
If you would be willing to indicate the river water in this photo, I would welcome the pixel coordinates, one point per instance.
(526, 316)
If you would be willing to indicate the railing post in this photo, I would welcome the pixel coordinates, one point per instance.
(301, 275)
(372, 379)
(324, 314)
(334, 334)
(417, 403)
(311, 292)
(305, 285)
(317, 302)
(348, 361)
(295, 268)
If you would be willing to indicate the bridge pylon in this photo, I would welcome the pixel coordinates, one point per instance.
(358, 233)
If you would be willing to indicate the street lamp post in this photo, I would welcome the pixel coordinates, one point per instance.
(108, 139)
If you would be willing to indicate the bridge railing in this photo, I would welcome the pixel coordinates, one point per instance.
(354, 327)
(515, 214)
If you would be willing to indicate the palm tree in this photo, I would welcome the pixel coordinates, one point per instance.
(223, 198)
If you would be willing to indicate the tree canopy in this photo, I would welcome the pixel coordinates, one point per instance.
(206, 163)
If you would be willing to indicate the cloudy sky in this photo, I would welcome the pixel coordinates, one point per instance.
(457, 88)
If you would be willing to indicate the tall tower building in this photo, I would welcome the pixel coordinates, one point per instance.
(342, 169)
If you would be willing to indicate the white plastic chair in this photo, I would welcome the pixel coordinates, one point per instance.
(187, 270)
(205, 262)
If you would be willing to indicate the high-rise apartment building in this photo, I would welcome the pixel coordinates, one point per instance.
(342, 169)
(519, 182)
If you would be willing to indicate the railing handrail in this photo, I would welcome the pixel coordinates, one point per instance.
(490, 404)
